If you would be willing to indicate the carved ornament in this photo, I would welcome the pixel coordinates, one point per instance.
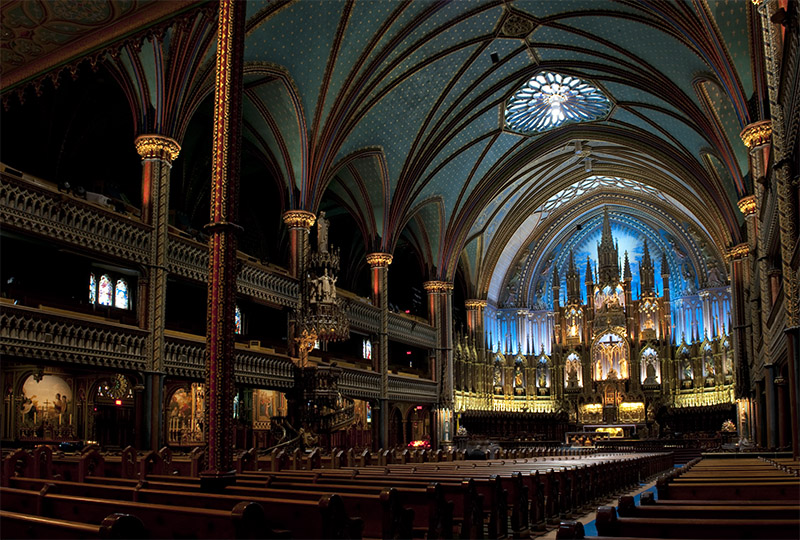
(739, 251)
(379, 259)
(158, 147)
(748, 205)
(756, 134)
(475, 304)
(438, 286)
(299, 219)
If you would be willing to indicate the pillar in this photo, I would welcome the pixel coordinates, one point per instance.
(737, 256)
(379, 274)
(772, 406)
(157, 153)
(299, 223)
(440, 314)
(222, 244)
(780, 388)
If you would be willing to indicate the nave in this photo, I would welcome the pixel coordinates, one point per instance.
(526, 493)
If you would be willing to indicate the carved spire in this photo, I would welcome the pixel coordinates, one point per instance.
(627, 268)
(573, 280)
(588, 279)
(664, 265)
(647, 271)
(556, 288)
(608, 255)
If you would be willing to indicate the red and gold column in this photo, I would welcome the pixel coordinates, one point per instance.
(379, 268)
(222, 245)
(157, 153)
(440, 314)
(475, 319)
(299, 223)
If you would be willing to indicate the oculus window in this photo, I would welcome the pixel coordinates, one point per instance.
(549, 100)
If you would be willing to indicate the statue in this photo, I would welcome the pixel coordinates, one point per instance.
(322, 233)
(650, 373)
(572, 375)
(542, 377)
(518, 382)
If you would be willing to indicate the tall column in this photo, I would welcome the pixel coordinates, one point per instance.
(379, 265)
(157, 153)
(780, 387)
(299, 223)
(440, 314)
(772, 406)
(222, 246)
(737, 257)
(475, 319)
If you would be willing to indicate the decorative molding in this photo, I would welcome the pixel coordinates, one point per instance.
(475, 304)
(747, 205)
(437, 286)
(299, 219)
(157, 147)
(363, 317)
(414, 390)
(379, 259)
(757, 134)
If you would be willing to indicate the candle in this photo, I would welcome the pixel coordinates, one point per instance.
(70, 418)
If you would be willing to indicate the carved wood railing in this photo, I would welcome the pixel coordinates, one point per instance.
(411, 331)
(39, 209)
(36, 334)
(410, 389)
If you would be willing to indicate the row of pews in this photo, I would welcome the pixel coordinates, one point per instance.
(708, 498)
(428, 499)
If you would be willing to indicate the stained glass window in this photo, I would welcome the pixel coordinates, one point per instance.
(238, 321)
(92, 289)
(366, 350)
(121, 294)
(550, 100)
(104, 292)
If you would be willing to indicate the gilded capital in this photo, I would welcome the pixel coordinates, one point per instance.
(739, 251)
(748, 205)
(299, 219)
(157, 147)
(756, 134)
(377, 260)
(437, 286)
(475, 304)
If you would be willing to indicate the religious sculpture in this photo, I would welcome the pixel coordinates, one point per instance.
(322, 233)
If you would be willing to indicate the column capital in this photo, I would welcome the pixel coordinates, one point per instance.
(151, 146)
(379, 260)
(437, 286)
(747, 205)
(299, 219)
(739, 251)
(475, 304)
(756, 134)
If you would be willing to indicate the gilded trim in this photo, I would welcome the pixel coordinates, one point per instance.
(747, 205)
(756, 134)
(157, 147)
(739, 251)
(299, 219)
(437, 286)
(475, 304)
(379, 259)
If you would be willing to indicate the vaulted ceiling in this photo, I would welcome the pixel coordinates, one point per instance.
(394, 110)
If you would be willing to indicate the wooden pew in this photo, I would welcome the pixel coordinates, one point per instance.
(245, 520)
(609, 524)
(385, 513)
(115, 526)
(699, 510)
(728, 490)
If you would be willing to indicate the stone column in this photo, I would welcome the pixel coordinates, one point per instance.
(440, 314)
(780, 386)
(772, 406)
(379, 268)
(222, 244)
(299, 223)
(475, 319)
(157, 153)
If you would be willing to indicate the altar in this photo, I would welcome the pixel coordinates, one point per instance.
(592, 434)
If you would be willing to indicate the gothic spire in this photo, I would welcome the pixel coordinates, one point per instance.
(573, 280)
(646, 271)
(608, 255)
(627, 267)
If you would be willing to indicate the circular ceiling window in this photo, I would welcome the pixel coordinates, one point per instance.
(550, 100)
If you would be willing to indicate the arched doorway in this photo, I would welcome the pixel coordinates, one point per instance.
(113, 417)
